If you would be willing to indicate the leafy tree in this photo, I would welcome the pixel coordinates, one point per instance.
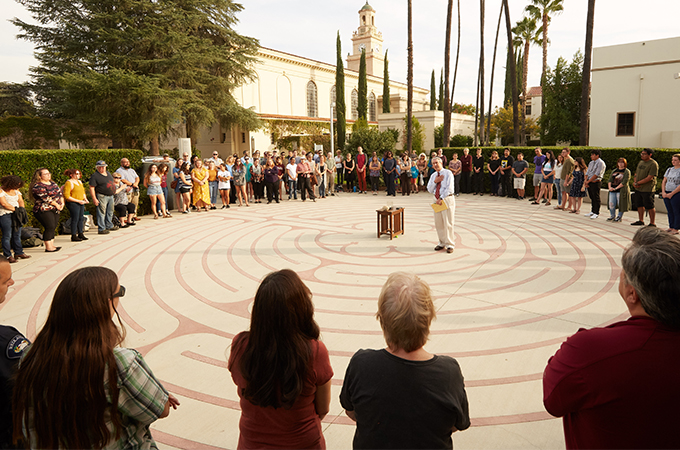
(181, 54)
(418, 137)
(340, 110)
(561, 118)
(371, 140)
(15, 100)
(386, 88)
(503, 120)
(439, 136)
(464, 109)
(362, 107)
(433, 93)
(460, 140)
(541, 10)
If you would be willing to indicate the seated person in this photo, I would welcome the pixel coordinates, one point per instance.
(617, 387)
(402, 396)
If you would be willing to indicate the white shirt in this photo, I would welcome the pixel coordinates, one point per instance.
(446, 187)
(292, 171)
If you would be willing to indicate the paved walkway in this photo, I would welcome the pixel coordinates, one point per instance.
(521, 280)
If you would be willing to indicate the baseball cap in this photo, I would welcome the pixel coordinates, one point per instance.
(101, 163)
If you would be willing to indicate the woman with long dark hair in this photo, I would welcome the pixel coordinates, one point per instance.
(75, 388)
(281, 369)
(10, 200)
(547, 180)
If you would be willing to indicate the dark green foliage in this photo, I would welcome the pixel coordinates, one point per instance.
(561, 118)
(30, 132)
(371, 140)
(133, 68)
(418, 142)
(433, 93)
(362, 107)
(609, 156)
(460, 140)
(340, 109)
(15, 99)
(24, 163)
(386, 107)
(439, 136)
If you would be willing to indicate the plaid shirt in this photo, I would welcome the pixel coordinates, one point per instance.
(141, 400)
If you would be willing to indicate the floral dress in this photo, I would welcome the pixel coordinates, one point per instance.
(577, 184)
(201, 191)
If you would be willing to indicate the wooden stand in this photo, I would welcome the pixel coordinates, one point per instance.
(391, 222)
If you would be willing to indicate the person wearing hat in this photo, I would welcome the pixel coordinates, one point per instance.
(102, 189)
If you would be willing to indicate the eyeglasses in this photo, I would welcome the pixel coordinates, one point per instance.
(120, 293)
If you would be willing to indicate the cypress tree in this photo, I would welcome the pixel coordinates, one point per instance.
(340, 97)
(386, 88)
(362, 107)
(433, 93)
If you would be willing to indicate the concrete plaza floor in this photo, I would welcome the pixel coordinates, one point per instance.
(521, 280)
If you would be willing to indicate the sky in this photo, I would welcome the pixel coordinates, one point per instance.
(309, 27)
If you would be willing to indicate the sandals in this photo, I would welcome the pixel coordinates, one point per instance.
(547, 203)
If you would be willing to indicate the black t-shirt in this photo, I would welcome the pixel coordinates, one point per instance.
(507, 161)
(495, 164)
(478, 163)
(404, 404)
(617, 177)
(12, 346)
(103, 184)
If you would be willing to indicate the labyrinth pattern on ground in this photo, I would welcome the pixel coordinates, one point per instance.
(521, 280)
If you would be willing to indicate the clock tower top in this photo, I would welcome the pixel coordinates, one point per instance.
(367, 38)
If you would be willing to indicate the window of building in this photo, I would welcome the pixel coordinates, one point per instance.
(243, 138)
(625, 124)
(312, 100)
(528, 110)
(372, 107)
(355, 104)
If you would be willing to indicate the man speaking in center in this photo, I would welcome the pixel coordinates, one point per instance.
(441, 186)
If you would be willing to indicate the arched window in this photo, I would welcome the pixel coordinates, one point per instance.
(372, 107)
(333, 100)
(312, 100)
(355, 104)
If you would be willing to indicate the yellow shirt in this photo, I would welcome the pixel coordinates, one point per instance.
(74, 189)
(212, 175)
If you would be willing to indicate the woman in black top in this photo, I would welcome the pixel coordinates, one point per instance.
(390, 167)
(350, 172)
(494, 166)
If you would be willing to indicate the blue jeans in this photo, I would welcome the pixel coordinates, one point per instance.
(104, 212)
(614, 197)
(214, 191)
(672, 207)
(322, 186)
(558, 191)
(292, 186)
(165, 197)
(11, 239)
(77, 217)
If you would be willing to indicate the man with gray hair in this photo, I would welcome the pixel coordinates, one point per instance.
(617, 387)
(441, 186)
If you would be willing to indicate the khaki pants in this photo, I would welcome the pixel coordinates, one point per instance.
(443, 222)
(133, 197)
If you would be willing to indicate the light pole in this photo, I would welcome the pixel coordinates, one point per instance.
(332, 143)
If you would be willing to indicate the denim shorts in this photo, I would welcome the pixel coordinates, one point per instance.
(154, 189)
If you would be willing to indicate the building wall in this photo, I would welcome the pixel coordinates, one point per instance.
(641, 78)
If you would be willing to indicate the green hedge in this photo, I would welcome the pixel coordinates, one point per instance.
(25, 162)
(609, 155)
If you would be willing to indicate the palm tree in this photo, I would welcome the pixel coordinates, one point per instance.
(455, 70)
(513, 72)
(493, 69)
(481, 72)
(527, 33)
(585, 84)
(447, 59)
(542, 10)
(409, 81)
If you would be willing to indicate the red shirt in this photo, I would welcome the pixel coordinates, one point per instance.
(467, 162)
(617, 387)
(298, 427)
(361, 160)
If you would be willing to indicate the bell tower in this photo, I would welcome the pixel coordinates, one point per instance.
(367, 38)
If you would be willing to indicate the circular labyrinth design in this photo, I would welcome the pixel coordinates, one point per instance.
(521, 280)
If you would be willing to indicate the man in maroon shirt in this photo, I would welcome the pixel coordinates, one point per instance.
(617, 387)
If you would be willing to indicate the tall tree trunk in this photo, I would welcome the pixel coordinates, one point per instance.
(544, 69)
(493, 69)
(409, 81)
(481, 72)
(447, 57)
(515, 114)
(525, 71)
(154, 146)
(585, 83)
(476, 141)
(455, 70)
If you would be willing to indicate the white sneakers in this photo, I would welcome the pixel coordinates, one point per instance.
(594, 216)
(589, 214)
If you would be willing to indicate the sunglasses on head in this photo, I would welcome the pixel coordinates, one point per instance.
(120, 293)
